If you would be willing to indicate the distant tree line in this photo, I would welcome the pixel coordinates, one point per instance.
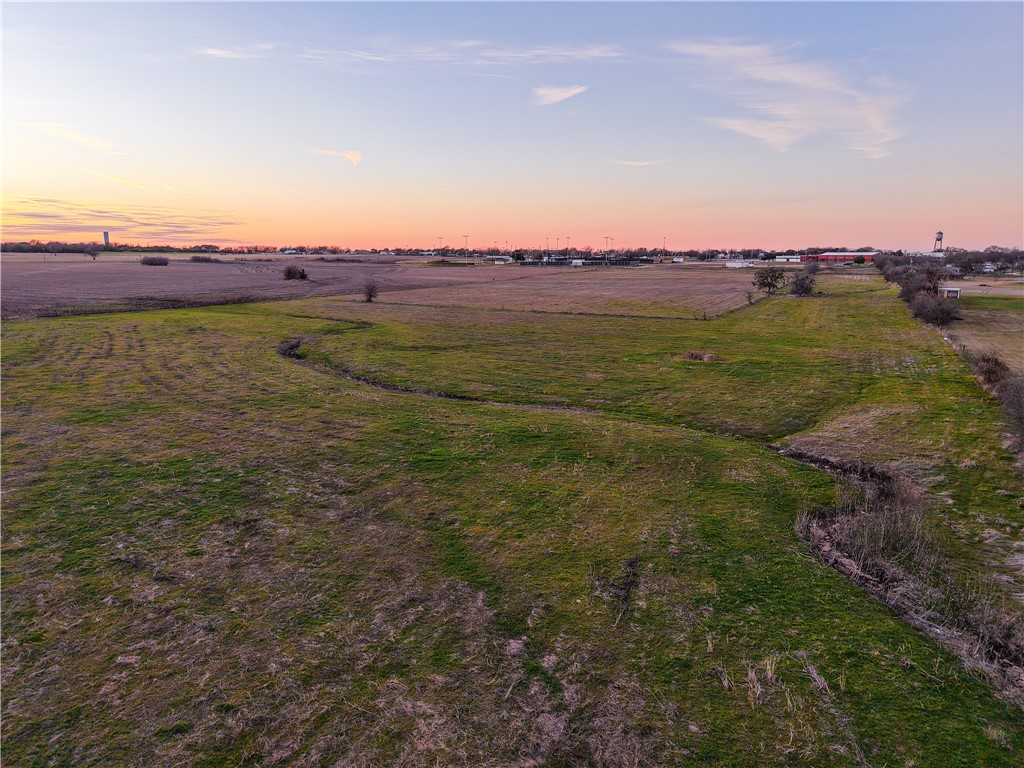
(969, 261)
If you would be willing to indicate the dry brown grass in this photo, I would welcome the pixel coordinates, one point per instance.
(663, 290)
(992, 332)
(881, 535)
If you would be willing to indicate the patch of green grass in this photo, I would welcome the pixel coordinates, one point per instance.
(179, 728)
(1002, 303)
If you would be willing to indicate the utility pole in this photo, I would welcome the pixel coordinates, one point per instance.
(567, 246)
(439, 242)
(465, 241)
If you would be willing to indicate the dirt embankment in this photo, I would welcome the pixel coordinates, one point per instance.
(879, 534)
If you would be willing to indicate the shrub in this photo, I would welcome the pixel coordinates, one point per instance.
(292, 272)
(933, 310)
(155, 261)
(991, 368)
(202, 258)
(858, 259)
(802, 285)
(290, 348)
(370, 291)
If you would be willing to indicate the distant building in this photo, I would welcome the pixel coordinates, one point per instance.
(840, 257)
(949, 292)
(106, 239)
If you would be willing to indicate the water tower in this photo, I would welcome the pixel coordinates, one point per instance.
(106, 239)
(938, 242)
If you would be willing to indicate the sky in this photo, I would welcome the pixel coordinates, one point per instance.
(693, 125)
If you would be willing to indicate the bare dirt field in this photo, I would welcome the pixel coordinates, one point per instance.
(66, 286)
(991, 286)
(662, 290)
(992, 318)
(997, 332)
(41, 257)
(34, 289)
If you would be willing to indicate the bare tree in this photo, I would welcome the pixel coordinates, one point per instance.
(769, 280)
(370, 291)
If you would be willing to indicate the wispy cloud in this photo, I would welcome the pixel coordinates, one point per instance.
(552, 94)
(354, 156)
(785, 99)
(547, 54)
(639, 163)
(249, 51)
(38, 217)
(461, 51)
(66, 132)
(116, 179)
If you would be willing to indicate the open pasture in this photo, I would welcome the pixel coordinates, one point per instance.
(660, 290)
(32, 289)
(270, 534)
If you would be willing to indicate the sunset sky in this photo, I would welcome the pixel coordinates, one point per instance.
(392, 124)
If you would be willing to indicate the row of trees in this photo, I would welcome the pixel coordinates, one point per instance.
(1003, 258)
(919, 288)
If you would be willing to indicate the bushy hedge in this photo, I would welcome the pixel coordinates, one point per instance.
(931, 309)
(155, 261)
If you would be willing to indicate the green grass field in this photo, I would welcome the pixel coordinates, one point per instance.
(215, 555)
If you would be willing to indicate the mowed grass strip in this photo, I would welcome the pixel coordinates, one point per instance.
(215, 555)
